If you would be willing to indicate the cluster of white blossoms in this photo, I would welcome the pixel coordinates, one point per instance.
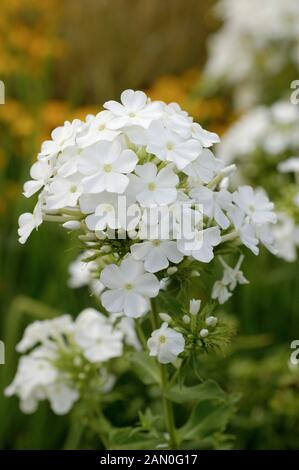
(146, 195)
(269, 136)
(274, 130)
(64, 358)
(257, 38)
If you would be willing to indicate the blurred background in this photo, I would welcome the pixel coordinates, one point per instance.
(60, 59)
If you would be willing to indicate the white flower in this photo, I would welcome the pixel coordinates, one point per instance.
(152, 187)
(167, 145)
(166, 344)
(64, 192)
(248, 238)
(135, 110)
(156, 254)
(103, 211)
(96, 129)
(97, 337)
(61, 397)
(28, 222)
(255, 205)
(204, 168)
(62, 137)
(214, 203)
(289, 166)
(201, 244)
(206, 138)
(40, 331)
(286, 237)
(40, 173)
(220, 292)
(233, 276)
(194, 306)
(106, 165)
(130, 288)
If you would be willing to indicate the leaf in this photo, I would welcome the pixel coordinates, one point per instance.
(208, 390)
(131, 439)
(207, 418)
(145, 367)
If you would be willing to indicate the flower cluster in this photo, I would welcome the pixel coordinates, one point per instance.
(264, 142)
(244, 49)
(66, 358)
(146, 195)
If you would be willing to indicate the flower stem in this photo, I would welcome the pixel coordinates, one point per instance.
(167, 405)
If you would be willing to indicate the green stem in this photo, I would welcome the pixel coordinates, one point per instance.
(167, 404)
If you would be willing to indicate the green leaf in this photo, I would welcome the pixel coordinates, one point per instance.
(208, 390)
(131, 439)
(145, 367)
(207, 418)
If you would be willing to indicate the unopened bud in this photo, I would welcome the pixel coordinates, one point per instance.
(172, 270)
(132, 234)
(72, 225)
(204, 332)
(194, 306)
(195, 273)
(211, 321)
(165, 317)
(105, 249)
(186, 319)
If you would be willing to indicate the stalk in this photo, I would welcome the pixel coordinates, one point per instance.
(167, 404)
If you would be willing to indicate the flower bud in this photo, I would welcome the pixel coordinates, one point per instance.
(172, 270)
(195, 273)
(165, 317)
(186, 319)
(194, 306)
(72, 225)
(105, 249)
(204, 332)
(211, 321)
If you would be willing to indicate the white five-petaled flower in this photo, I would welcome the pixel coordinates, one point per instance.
(152, 188)
(134, 110)
(129, 288)
(166, 344)
(97, 337)
(203, 168)
(167, 145)
(214, 203)
(40, 173)
(64, 192)
(220, 292)
(200, 244)
(254, 205)
(28, 222)
(156, 254)
(105, 165)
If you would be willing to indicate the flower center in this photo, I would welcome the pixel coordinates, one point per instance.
(73, 188)
(128, 286)
(132, 115)
(169, 145)
(162, 339)
(107, 168)
(157, 242)
(151, 186)
(251, 208)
